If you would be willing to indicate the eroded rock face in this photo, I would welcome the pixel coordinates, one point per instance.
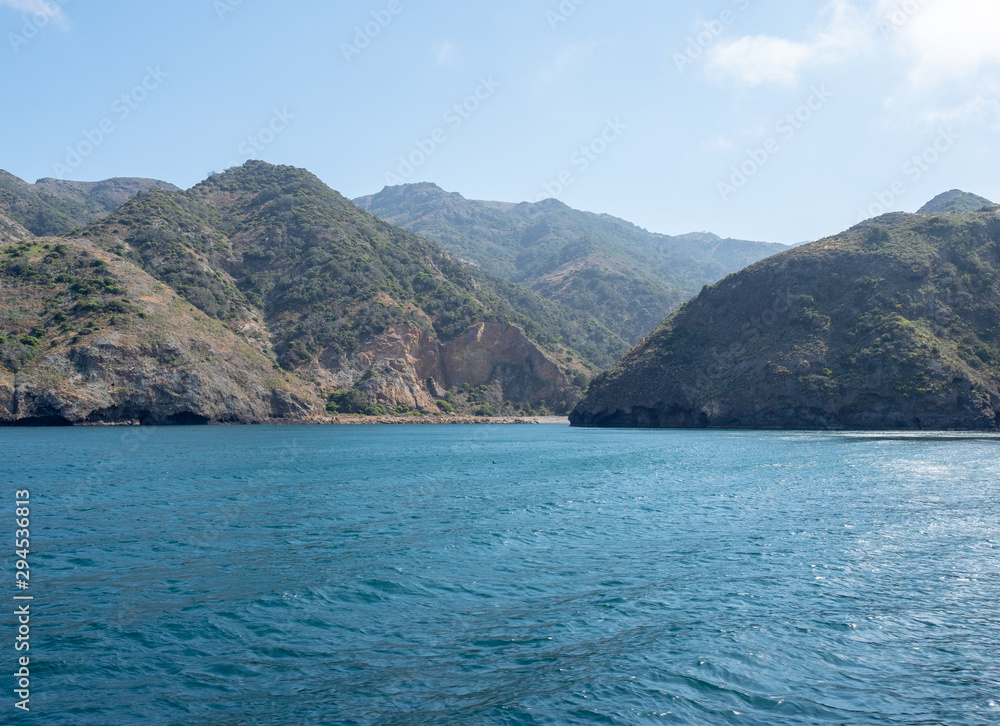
(407, 366)
(159, 361)
(118, 379)
(11, 231)
(395, 368)
(490, 351)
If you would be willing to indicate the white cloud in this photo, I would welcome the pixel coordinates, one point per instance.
(940, 41)
(757, 60)
(945, 40)
(950, 60)
(45, 8)
(445, 53)
(944, 53)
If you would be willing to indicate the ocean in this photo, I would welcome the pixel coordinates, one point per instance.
(503, 575)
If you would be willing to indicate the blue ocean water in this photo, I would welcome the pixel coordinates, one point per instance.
(506, 575)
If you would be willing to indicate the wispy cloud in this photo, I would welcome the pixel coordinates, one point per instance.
(445, 53)
(46, 8)
(944, 53)
(720, 143)
(757, 60)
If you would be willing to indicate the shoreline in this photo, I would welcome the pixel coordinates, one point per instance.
(343, 420)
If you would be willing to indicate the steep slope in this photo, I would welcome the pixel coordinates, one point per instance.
(11, 231)
(327, 292)
(316, 261)
(955, 201)
(54, 206)
(178, 242)
(621, 274)
(894, 324)
(87, 337)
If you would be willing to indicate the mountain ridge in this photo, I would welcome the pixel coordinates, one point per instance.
(55, 206)
(625, 276)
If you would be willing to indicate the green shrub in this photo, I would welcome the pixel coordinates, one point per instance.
(117, 306)
(352, 401)
(877, 237)
(86, 308)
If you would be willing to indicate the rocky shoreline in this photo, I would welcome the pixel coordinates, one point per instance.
(432, 419)
(345, 420)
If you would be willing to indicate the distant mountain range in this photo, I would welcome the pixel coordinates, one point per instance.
(624, 276)
(54, 206)
(893, 324)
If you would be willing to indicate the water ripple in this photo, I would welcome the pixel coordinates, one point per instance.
(397, 576)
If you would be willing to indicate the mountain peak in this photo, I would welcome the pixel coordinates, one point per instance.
(407, 195)
(954, 201)
(548, 204)
(428, 186)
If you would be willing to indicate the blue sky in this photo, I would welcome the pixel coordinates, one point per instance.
(780, 121)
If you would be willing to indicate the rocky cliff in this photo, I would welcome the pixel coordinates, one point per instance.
(90, 338)
(11, 231)
(406, 366)
(894, 324)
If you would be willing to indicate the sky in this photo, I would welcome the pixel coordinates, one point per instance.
(769, 120)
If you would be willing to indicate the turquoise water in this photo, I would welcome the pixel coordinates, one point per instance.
(506, 575)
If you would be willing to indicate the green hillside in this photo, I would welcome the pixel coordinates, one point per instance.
(624, 276)
(894, 324)
(366, 315)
